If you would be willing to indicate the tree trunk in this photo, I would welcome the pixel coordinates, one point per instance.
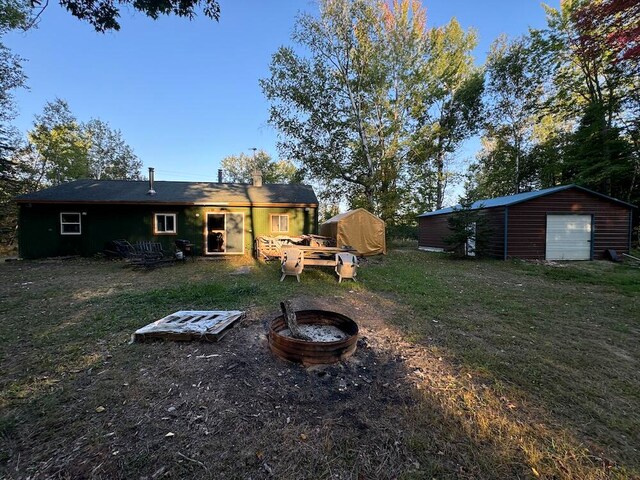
(439, 181)
(290, 319)
(369, 194)
(517, 179)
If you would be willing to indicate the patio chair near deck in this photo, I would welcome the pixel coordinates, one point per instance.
(292, 263)
(346, 266)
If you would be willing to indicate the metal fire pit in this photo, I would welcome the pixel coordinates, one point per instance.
(307, 352)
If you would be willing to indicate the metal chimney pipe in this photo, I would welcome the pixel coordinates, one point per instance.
(219, 175)
(151, 190)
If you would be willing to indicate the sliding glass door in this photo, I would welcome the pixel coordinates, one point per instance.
(224, 233)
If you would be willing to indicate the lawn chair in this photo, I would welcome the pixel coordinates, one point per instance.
(151, 251)
(346, 266)
(148, 255)
(119, 249)
(292, 263)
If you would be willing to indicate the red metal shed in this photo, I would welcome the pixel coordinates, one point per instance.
(561, 223)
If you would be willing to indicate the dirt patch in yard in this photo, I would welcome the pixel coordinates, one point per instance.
(80, 402)
(233, 410)
(226, 410)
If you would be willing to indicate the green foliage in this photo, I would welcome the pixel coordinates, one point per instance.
(402, 231)
(595, 88)
(14, 14)
(469, 231)
(109, 156)
(11, 78)
(103, 15)
(239, 168)
(450, 108)
(64, 149)
(505, 164)
(599, 158)
(327, 210)
(60, 144)
(376, 104)
(563, 105)
(344, 106)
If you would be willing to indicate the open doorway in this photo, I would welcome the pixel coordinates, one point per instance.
(224, 233)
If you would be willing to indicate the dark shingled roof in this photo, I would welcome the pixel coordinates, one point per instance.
(179, 193)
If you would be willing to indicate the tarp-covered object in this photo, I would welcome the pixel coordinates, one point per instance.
(358, 229)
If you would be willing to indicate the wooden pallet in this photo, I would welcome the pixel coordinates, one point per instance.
(187, 325)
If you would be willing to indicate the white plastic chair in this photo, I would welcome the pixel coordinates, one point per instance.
(292, 262)
(346, 266)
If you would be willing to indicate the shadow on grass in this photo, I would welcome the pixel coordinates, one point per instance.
(247, 414)
(542, 338)
(414, 415)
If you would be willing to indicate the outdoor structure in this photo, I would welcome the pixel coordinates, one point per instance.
(80, 217)
(359, 229)
(560, 223)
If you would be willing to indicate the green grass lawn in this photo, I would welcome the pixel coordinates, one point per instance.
(513, 368)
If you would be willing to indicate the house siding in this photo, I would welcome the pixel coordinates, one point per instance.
(527, 227)
(39, 226)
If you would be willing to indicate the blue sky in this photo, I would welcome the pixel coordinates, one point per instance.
(186, 94)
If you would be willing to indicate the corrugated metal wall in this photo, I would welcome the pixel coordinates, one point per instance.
(434, 229)
(528, 223)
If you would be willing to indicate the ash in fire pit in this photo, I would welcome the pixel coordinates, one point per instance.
(318, 333)
(312, 336)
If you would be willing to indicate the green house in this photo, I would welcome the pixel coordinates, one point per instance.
(80, 217)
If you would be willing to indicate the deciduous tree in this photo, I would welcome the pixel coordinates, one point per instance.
(109, 156)
(513, 89)
(11, 78)
(13, 15)
(104, 15)
(343, 104)
(61, 146)
(64, 149)
(595, 75)
(451, 106)
(240, 168)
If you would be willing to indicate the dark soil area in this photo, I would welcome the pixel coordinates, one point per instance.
(463, 370)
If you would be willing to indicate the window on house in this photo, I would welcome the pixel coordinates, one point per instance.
(279, 223)
(70, 223)
(165, 223)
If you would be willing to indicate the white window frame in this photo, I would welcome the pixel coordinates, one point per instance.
(165, 232)
(79, 223)
(279, 223)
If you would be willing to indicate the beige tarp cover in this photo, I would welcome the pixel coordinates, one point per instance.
(359, 229)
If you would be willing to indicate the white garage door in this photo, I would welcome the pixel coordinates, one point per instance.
(568, 237)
